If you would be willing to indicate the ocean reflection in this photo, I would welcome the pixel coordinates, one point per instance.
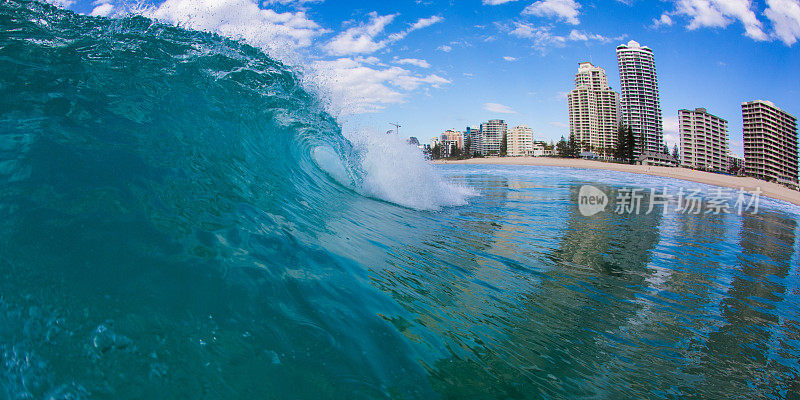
(746, 349)
(615, 306)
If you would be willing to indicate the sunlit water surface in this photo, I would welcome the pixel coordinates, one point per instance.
(516, 295)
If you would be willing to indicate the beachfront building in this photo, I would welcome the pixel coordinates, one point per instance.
(639, 100)
(520, 141)
(473, 136)
(541, 149)
(594, 110)
(434, 142)
(735, 164)
(450, 141)
(492, 133)
(704, 140)
(770, 142)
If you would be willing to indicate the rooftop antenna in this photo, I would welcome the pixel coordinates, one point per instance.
(397, 128)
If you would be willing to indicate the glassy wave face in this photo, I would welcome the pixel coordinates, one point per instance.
(180, 219)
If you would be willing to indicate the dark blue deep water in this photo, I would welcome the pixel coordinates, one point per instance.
(168, 230)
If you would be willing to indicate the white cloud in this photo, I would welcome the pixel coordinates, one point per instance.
(672, 140)
(363, 38)
(509, 58)
(720, 14)
(290, 2)
(102, 10)
(369, 60)
(358, 88)
(409, 82)
(671, 131)
(425, 22)
(543, 37)
(353, 85)
(664, 20)
(498, 108)
(61, 3)
(445, 48)
(496, 2)
(278, 33)
(670, 124)
(785, 18)
(558, 124)
(566, 10)
(413, 61)
(422, 23)
(582, 36)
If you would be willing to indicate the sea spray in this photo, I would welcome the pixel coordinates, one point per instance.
(393, 170)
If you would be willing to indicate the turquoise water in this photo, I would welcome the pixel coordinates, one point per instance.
(179, 218)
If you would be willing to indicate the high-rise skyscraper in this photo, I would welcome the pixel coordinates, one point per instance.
(492, 133)
(639, 101)
(704, 140)
(770, 142)
(594, 110)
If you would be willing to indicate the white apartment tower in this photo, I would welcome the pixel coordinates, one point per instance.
(770, 142)
(492, 134)
(704, 140)
(520, 141)
(594, 110)
(639, 101)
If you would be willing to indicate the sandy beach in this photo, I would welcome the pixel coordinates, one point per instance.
(772, 190)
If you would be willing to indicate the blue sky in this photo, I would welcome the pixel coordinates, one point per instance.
(432, 65)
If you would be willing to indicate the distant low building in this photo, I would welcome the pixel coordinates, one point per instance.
(473, 136)
(657, 159)
(735, 164)
(519, 141)
(541, 149)
(451, 142)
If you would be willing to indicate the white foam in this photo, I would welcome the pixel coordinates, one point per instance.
(394, 171)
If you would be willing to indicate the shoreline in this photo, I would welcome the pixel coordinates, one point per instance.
(769, 189)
